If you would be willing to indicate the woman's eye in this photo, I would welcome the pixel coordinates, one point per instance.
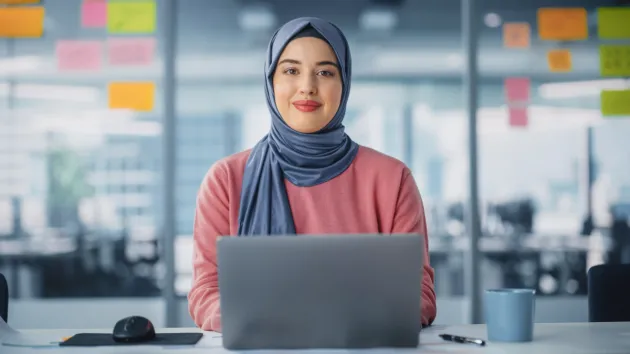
(290, 71)
(326, 73)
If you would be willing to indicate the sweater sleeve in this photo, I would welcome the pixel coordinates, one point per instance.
(211, 221)
(410, 218)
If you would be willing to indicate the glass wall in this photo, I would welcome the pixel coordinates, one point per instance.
(81, 180)
(79, 173)
(553, 180)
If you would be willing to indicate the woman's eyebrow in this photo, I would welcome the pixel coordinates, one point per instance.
(321, 63)
(327, 62)
(291, 61)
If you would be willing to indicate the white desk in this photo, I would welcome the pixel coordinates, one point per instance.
(574, 338)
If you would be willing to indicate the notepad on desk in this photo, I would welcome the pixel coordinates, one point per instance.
(106, 339)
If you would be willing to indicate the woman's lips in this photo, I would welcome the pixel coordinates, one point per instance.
(307, 105)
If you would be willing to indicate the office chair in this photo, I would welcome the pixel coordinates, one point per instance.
(4, 298)
(609, 293)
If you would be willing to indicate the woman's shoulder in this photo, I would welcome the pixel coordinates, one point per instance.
(371, 161)
(229, 168)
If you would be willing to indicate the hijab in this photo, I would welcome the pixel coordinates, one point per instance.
(303, 159)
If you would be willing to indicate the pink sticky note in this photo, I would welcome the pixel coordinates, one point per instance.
(131, 51)
(517, 89)
(79, 55)
(94, 13)
(518, 116)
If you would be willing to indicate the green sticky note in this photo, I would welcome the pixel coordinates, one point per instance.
(614, 60)
(131, 17)
(613, 22)
(615, 103)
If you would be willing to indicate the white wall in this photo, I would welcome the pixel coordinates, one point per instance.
(103, 313)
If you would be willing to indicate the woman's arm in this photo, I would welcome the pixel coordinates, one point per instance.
(211, 221)
(410, 218)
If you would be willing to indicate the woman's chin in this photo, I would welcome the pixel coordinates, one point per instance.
(306, 125)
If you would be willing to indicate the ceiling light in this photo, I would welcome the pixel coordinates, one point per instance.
(492, 20)
(51, 92)
(19, 64)
(256, 18)
(575, 89)
(378, 19)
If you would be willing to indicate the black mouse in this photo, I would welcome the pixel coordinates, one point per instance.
(133, 329)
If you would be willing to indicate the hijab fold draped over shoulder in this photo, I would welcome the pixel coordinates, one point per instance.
(303, 159)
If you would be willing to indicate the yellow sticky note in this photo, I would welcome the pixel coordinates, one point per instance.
(131, 17)
(516, 35)
(614, 60)
(615, 102)
(18, 2)
(138, 96)
(562, 24)
(613, 23)
(559, 60)
(22, 22)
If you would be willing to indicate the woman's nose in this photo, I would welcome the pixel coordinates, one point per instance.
(308, 87)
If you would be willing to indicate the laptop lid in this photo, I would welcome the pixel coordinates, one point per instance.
(320, 291)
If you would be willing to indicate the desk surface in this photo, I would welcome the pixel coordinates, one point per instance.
(573, 338)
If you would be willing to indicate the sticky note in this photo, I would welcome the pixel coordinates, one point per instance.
(22, 22)
(131, 51)
(518, 116)
(138, 96)
(559, 60)
(516, 35)
(79, 55)
(562, 24)
(18, 2)
(613, 22)
(131, 17)
(517, 89)
(614, 60)
(94, 14)
(615, 102)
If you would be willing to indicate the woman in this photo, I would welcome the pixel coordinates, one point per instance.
(306, 176)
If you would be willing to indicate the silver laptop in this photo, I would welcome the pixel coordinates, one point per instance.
(320, 291)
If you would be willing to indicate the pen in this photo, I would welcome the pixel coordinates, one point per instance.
(460, 339)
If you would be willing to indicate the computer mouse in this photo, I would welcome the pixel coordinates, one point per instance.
(133, 329)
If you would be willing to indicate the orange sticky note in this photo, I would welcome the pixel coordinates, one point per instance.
(22, 22)
(562, 24)
(138, 96)
(559, 60)
(18, 2)
(516, 34)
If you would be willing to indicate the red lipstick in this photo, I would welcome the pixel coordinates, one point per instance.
(307, 105)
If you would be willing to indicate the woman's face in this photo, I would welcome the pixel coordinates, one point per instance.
(307, 84)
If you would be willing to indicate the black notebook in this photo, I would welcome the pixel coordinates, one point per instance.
(106, 339)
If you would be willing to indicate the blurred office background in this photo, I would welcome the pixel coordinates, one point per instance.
(82, 186)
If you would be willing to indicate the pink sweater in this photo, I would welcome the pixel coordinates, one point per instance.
(376, 194)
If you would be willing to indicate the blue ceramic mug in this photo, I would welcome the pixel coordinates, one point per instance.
(510, 314)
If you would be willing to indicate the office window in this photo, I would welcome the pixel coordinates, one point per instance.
(65, 157)
(551, 166)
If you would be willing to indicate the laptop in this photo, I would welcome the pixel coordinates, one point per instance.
(320, 291)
